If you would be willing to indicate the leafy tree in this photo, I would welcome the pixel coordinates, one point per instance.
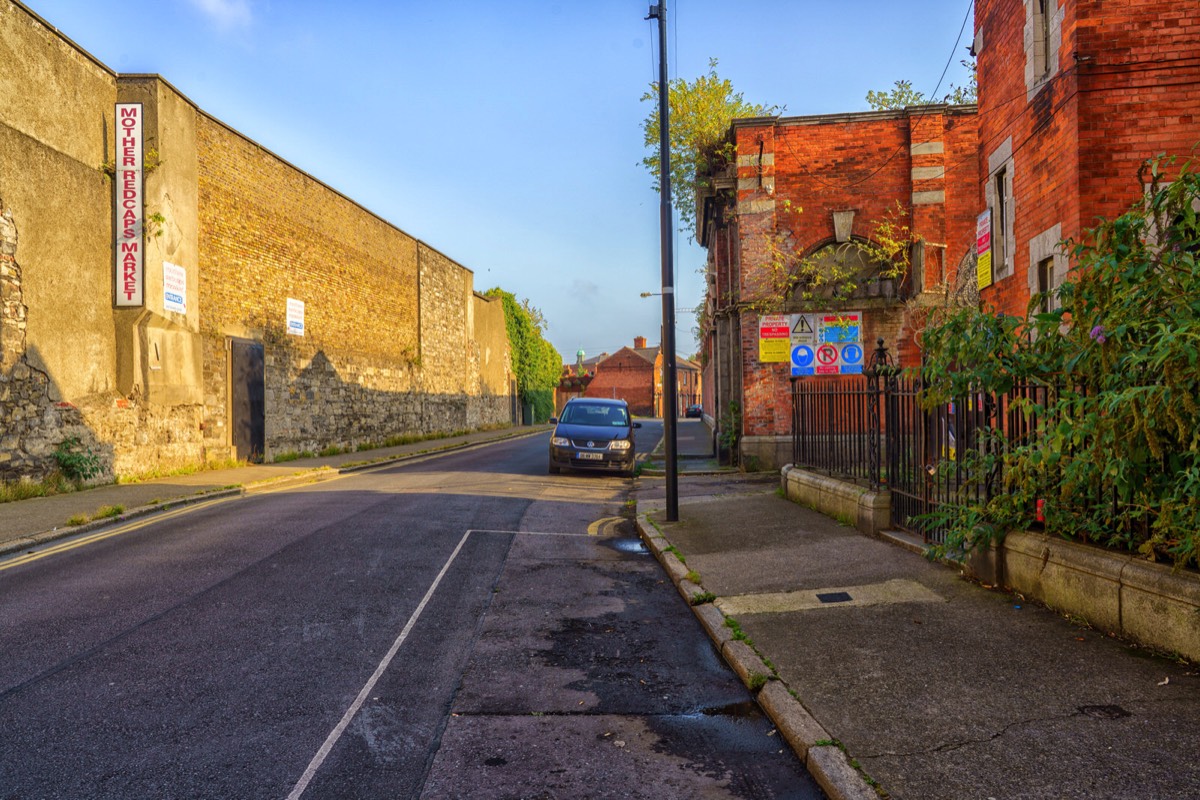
(700, 114)
(902, 94)
(535, 361)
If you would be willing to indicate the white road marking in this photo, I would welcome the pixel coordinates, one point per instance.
(332, 739)
(337, 732)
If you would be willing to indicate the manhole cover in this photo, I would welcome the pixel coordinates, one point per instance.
(835, 597)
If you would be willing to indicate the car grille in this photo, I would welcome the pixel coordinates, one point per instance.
(590, 444)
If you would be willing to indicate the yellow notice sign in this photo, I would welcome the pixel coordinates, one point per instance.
(983, 249)
(774, 338)
(774, 350)
(983, 269)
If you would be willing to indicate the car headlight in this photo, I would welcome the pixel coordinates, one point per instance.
(560, 441)
(620, 444)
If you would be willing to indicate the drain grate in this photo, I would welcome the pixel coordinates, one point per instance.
(835, 597)
(1104, 712)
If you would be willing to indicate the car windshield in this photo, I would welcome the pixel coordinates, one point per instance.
(589, 414)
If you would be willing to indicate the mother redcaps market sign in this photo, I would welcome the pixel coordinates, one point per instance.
(127, 182)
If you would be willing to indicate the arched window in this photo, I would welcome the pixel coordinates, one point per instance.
(845, 271)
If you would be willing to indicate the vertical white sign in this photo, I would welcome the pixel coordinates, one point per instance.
(174, 288)
(295, 317)
(127, 183)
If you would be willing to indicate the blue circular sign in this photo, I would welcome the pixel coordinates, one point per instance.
(802, 355)
(852, 354)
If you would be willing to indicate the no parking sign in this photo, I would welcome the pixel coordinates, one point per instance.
(827, 343)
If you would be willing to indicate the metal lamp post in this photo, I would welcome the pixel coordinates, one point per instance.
(659, 12)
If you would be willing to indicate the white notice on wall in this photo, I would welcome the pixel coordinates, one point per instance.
(295, 317)
(174, 288)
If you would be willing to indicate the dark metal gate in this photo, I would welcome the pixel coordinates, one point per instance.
(247, 406)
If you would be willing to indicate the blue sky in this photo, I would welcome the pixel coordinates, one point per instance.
(507, 133)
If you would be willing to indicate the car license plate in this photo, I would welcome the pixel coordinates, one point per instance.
(590, 456)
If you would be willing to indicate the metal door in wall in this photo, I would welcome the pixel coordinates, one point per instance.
(247, 406)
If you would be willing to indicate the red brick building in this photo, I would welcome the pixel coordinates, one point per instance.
(1073, 96)
(809, 189)
(632, 374)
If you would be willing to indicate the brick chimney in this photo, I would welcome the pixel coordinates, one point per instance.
(639, 342)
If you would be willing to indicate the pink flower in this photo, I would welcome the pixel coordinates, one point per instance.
(1097, 334)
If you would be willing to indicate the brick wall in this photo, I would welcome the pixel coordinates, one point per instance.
(1121, 84)
(627, 376)
(797, 179)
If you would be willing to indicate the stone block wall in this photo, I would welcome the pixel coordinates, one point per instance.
(148, 388)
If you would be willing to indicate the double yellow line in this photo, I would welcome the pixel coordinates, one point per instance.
(108, 534)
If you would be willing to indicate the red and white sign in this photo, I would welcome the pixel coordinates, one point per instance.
(775, 326)
(127, 183)
(827, 360)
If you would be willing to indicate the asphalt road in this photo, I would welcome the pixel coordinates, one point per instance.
(465, 626)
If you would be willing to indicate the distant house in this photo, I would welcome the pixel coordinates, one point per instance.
(632, 374)
(687, 383)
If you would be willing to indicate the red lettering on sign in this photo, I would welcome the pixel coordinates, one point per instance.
(129, 111)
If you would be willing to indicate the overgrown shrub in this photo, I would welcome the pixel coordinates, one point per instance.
(1114, 455)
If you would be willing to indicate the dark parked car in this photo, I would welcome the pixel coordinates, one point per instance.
(694, 410)
(593, 433)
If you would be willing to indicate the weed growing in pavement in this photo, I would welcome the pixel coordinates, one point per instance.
(673, 549)
(700, 598)
(756, 681)
(738, 634)
(293, 455)
(693, 576)
(79, 519)
(190, 469)
(24, 489)
(104, 512)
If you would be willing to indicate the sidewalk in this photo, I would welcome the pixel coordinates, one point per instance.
(28, 522)
(934, 686)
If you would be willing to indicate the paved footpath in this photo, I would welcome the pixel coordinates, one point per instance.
(935, 687)
(41, 519)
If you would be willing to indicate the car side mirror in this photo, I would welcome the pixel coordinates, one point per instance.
(637, 424)
(553, 420)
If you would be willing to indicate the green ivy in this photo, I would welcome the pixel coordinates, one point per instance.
(536, 363)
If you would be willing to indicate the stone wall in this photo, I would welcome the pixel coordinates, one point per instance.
(389, 347)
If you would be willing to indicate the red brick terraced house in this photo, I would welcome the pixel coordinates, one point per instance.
(632, 374)
(1073, 96)
(817, 189)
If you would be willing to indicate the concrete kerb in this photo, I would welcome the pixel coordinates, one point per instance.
(310, 475)
(45, 537)
(821, 755)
